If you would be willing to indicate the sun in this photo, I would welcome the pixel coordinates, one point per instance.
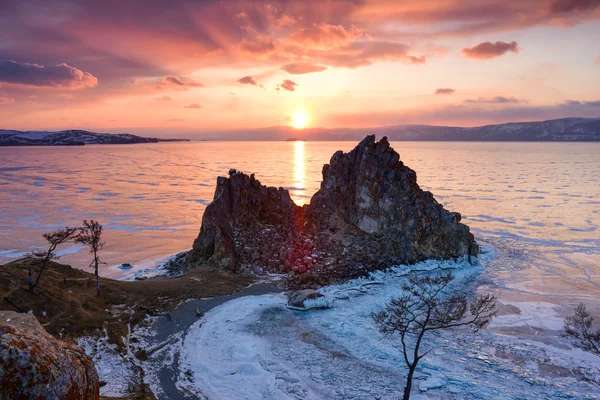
(300, 119)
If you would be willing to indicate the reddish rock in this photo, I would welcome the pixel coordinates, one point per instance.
(35, 365)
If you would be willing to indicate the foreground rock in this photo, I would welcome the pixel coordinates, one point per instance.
(35, 365)
(369, 214)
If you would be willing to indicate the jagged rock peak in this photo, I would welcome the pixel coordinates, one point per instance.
(371, 191)
(244, 214)
(369, 213)
(35, 365)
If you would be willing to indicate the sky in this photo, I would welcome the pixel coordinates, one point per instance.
(183, 67)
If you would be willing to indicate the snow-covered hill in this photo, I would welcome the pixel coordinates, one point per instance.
(71, 138)
(556, 130)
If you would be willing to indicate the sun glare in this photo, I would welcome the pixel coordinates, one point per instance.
(300, 119)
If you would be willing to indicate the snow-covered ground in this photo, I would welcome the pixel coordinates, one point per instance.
(254, 347)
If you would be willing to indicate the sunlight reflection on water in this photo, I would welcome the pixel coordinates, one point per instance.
(299, 170)
(539, 201)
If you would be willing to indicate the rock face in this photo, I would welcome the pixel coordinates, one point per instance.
(246, 223)
(369, 213)
(369, 192)
(35, 365)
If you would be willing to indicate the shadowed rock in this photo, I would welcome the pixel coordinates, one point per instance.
(370, 193)
(369, 214)
(245, 223)
(35, 365)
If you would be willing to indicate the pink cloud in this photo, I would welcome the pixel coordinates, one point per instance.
(597, 60)
(163, 98)
(249, 80)
(358, 54)
(326, 36)
(445, 91)
(176, 83)
(303, 68)
(487, 50)
(193, 106)
(6, 99)
(289, 85)
(496, 100)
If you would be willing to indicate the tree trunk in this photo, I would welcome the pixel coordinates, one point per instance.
(409, 379)
(96, 272)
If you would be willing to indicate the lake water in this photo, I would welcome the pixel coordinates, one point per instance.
(535, 204)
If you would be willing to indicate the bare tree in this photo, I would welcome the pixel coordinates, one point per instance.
(579, 327)
(43, 257)
(424, 308)
(90, 234)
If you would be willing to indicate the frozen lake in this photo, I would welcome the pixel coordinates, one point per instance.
(533, 206)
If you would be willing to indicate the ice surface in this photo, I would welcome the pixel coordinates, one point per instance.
(256, 348)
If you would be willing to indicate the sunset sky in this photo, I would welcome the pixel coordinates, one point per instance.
(181, 67)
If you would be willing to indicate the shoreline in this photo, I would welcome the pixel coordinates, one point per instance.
(170, 376)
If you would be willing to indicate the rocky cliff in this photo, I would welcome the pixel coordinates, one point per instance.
(369, 213)
(247, 223)
(35, 365)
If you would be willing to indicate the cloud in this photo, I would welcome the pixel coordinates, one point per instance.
(234, 32)
(249, 80)
(176, 83)
(163, 98)
(466, 114)
(496, 100)
(59, 76)
(571, 103)
(359, 54)
(263, 44)
(303, 68)
(445, 91)
(487, 50)
(597, 60)
(288, 85)
(569, 6)
(6, 99)
(326, 36)
(193, 106)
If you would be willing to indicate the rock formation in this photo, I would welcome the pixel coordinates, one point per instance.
(246, 223)
(369, 213)
(35, 365)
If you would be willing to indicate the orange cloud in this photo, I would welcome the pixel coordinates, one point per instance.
(445, 91)
(487, 50)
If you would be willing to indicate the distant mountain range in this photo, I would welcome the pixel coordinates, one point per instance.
(556, 130)
(72, 138)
